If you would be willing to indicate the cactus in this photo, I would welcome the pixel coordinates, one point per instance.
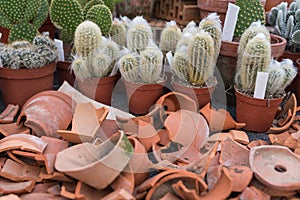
(191, 28)
(275, 81)
(250, 11)
(41, 40)
(89, 5)
(117, 32)
(296, 37)
(20, 44)
(184, 40)
(129, 66)
(110, 4)
(212, 25)
(80, 69)
(101, 65)
(179, 64)
(111, 49)
(200, 59)
(151, 65)
(101, 15)
(139, 34)
(23, 18)
(87, 38)
(290, 72)
(170, 37)
(256, 58)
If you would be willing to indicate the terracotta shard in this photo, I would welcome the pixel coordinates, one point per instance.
(7, 187)
(213, 175)
(83, 191)
(107, 128)
(13, 128)
(119, 194)
(241, 177)
(38, 196)
(124, 181)
(279, 139)
(10, 197)
(170, 196)
(233, 154)
(9, 113)
(275, 166)
(43, 187)
(24, 142)
(85, 124)
(185, 193)
(256, 143)
(254, 193)
(17, 172)
(55, 176)
(55, 189)
(236, 135)
(147, 134)
(219, 120)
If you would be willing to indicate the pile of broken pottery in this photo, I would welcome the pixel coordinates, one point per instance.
(93, 151)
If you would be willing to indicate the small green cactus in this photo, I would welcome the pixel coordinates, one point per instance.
(250, 11)
(117, 32)
(200, 53)
(129, 66)
(255, 58)
(296, 38)
(179, 64)
(89, 5)
(139, 34)
(87, 38)
(170, 36)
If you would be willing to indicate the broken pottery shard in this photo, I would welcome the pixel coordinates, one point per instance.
(9, 113)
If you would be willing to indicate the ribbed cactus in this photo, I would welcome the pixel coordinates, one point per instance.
(129, 66)
(117, 32)
(80, 68)
(250, 11)
(170, 36)
(290, 72)
(179, 64)
(102, 65)
(201, 53)
(87, 38)
(101, 15)
(139, 34)
(151, 65)
(256, 58)
(23, 18)
(111, 49)
(184, 40)
(212, 25)
(191, 28)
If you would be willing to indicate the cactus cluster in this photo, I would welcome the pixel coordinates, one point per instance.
(23, 18)
(170, 36)
(23, 54)
(250, 11)
(128, 66)
(117, 32)
(286, 22)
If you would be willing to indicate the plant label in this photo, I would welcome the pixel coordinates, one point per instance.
(230, 22)
(60, 49)
(170, 59)
(261, 85)
(46, 33)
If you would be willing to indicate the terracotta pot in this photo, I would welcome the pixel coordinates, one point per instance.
(19, 85)
(5, 34)
(258, 114)
(98, 89)
(47, 112)
(141, 97)
(64, 73)
(97, 165)
(272, 3)
(48, 26)
(202, 96)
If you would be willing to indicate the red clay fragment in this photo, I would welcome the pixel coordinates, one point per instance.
(253, 193)
(9, 113)
(56, 176)
(55, 190)
(185, 193)
(10, 197)
(119, 194)
(233, 154)
(241, 177)
(256, 143)
(24, 142)
(279, 139)
(85, 192)
(124, 181)
(13, 128)
(17, 172)
(43, 187)
(168, 196)
(7, 187)
(39, 196)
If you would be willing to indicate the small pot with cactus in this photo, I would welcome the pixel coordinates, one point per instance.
(194, 61)
(255, 56)
(27, 68)
(141, 67)
(93, 62)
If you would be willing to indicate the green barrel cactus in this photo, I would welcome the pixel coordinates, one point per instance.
(200, 53)
(250, 11)
(87, 38)
(117, 32)
(129, 67)
(256, 58)
(170, 36)
(151, 65)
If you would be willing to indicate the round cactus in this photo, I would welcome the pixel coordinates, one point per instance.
(128, 65)
(102, 65)
(101, 15)
(179, 64)
(42, 14)
(87, 38)
(170, 36)
(110, 4)
(200, 59)
(42, 40)
(117, 32)
(89, 5)
(80, 69)
(22, 31)
(111, 49)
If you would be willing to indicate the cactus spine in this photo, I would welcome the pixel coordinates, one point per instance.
(170, 37)
(118, 32)
(200, 59)
(256, 58)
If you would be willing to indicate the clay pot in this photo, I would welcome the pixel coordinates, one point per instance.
(258, 114)
(201, 96)
(141, 97)
(47, 112)
(48, 26)
(18, 85)
(64, 73)
(97, 165)
(276, 167)
(98, 89)
(5, 34)
(174, 101)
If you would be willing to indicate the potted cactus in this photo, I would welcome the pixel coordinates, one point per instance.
(286, 22)
(94, 62)
(195, 60)
(21, 20)
(27, 68)
(66, 15)
(255, 56)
